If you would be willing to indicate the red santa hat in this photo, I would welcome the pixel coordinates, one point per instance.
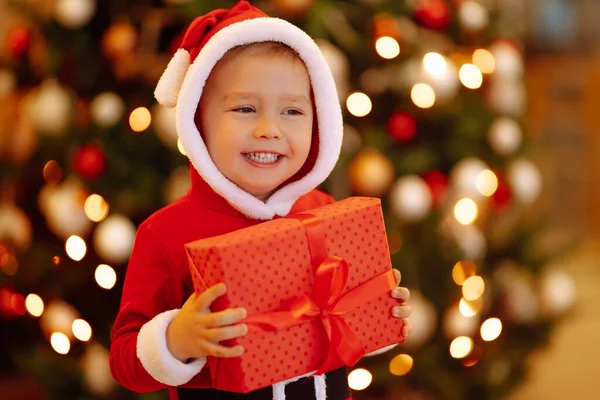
(206, 41)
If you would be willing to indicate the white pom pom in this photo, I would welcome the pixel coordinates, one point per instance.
(169, 85)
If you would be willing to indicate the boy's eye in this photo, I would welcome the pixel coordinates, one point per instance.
(292, 112)
(244, 110)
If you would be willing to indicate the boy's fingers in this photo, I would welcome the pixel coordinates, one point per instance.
(225, 333)
(401, 293)
(401, 311)
(224, 318)
(190, 301)
(406, 328)
(397, 276)
(204, 301)
(216, 350)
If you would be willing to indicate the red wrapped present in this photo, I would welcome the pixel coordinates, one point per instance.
(316, 287)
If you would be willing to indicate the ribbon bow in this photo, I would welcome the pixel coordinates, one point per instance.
(326, 302)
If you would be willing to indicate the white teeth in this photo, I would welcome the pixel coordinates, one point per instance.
(263, 158)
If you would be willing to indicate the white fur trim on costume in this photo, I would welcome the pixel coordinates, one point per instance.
(319, 381)
(155, 356)
(329, 115)
(320, 387)
(381, 351)
(169, 84)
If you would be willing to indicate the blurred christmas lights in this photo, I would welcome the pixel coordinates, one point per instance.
(359, 379)
(401, 364)
(140, 119)
(387, 47)
(82, 330)
(491, 329)
(465, 211)
(423, 95)
(105, 276)
(487, 183)
(435, 64)
(484, 60)
(470, 76)
(461, 347)
(462, 270)
(96, 208)
(359, 104)
(76, 248)
(34, 305)
(473, 288)
(60, 343)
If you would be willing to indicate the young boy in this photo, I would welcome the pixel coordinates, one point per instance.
(258, 115)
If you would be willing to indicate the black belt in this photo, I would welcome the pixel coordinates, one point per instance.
(303, 389)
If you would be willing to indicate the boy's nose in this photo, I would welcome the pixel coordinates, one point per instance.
(267, 129)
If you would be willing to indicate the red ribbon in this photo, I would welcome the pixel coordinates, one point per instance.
(326, 302)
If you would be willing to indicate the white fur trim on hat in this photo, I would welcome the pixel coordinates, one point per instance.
(329, 115)
(169, 85)
(157, 359)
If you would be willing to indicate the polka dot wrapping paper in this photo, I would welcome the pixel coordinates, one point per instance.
(268, 266)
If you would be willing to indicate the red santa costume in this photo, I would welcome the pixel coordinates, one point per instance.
(158, 280)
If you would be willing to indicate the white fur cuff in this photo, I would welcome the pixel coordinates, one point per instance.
(155, 356)
(380, 351)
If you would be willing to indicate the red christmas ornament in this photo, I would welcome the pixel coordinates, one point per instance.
(502, 197)
(89, 161)
(6, 303)
(438, 184)
(18, 41)
(402, 126)
(433, 14)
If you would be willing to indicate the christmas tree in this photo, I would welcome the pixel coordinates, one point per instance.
(433, 98)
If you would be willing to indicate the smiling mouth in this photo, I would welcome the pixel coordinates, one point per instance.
(263, 158)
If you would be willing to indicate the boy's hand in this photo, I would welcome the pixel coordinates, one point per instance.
(196, 331)
(403, 310)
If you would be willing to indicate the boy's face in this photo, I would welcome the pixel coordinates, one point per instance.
(257, 120)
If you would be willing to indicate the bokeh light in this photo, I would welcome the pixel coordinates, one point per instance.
(473, 288)
(82, 330)
(52, 172)
(435, 64)
(487, 183)
(461, 347)
(96, 208)
(60, 343)
(387, 47)
(359, 104)
(34, 305)
(359, 379)
(470, 76)
(401, 364)
(140, 119)
(484, 60)
(76, 248)
(423, 95)
(105, 276)
(465, 211)
(491, 329)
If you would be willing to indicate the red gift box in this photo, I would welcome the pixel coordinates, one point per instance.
(316, 287)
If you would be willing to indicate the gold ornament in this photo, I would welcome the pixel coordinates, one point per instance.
(371, 173)
(119, 40)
